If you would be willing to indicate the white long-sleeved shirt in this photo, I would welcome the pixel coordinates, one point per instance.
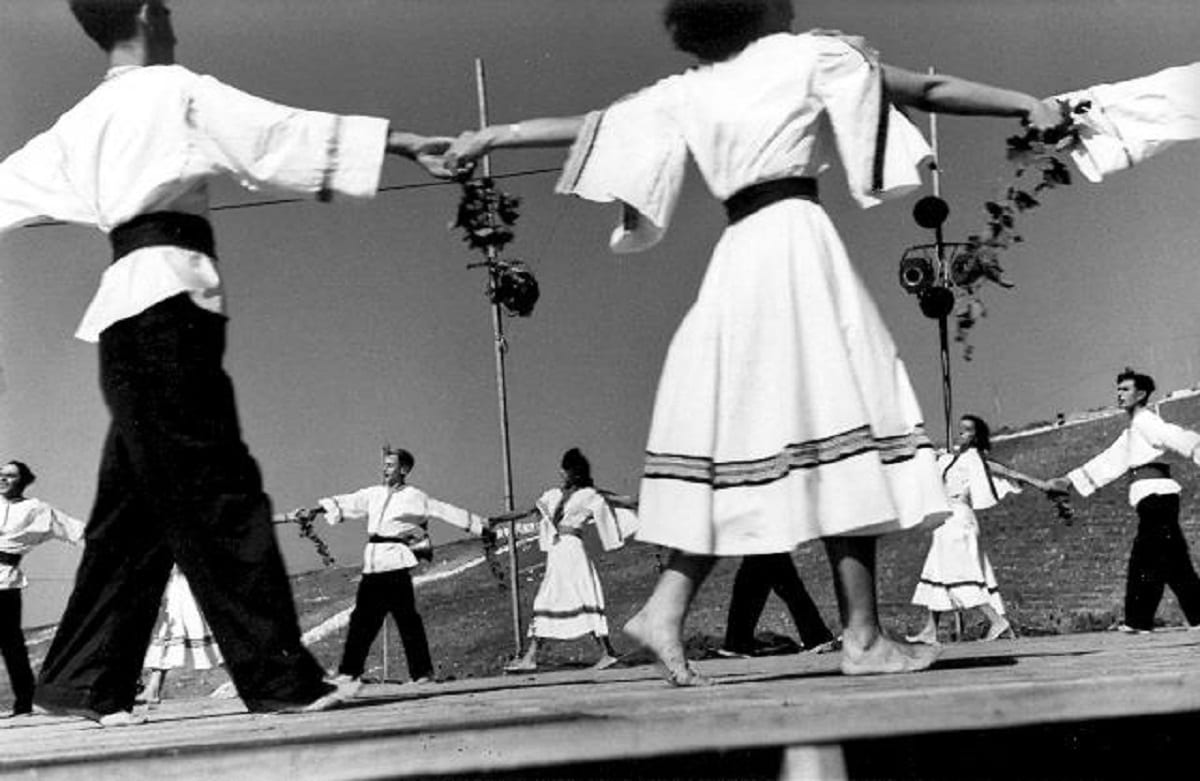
(395, 513)
(1144, 441)
(27, 523)
(149, 139)
(1130, 121)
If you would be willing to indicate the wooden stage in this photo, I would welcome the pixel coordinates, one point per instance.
(1070, 705)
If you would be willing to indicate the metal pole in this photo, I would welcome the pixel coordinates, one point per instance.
(501, 385)
(385, 651)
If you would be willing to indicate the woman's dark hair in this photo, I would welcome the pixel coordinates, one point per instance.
(715, 30)
(108, 22)
(983, 433)
(27, 475)
(576, 463)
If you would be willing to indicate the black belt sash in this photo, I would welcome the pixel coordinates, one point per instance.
(159, 229)
(748, 200)
(10, 559)
(374, 538)
(1152, 471)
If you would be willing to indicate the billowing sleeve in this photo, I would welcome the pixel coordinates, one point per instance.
(1131, 121)
(455, 516)
(33, 185)
(984, 489)
(634, 153)
(268, 145)
(343, 507)
(881, 151)
(1167, 436)
(1102, 469)
(65, 527)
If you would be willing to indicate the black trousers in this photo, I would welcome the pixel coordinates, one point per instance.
(1159, 558)
(756, 578)
(381, 593)
(12, 645)
(177, 485)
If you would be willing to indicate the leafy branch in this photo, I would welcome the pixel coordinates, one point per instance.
(486, 217)
(1036, 156)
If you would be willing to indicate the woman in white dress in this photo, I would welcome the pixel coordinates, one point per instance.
(783, 412)
(570, 602)
(181, 639)
(957, 574)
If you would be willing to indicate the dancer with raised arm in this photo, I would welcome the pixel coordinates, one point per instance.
(397, 516)
(957, 574)
(134, 158)
(25, 522)
(1159, 557)
(570, 601)
(783, 412)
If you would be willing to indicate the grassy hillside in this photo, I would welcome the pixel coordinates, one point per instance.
(1053, 578)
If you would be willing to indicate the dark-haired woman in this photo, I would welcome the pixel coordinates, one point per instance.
(783, 412)
(570, 601)
(957, 574)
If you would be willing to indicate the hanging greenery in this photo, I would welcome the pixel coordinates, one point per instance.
(1038, 166)
(304, 521)
(486, 217)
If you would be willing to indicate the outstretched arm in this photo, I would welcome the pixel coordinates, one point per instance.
(529, 133)
(942, 93)
(515, 515)
(1019, 477)
(426, 151)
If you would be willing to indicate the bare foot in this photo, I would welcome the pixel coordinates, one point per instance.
(520, 666)
(121, 718)
(605, 662)
(998, 629)
(926, 636)
(664, 643)
(886, 656)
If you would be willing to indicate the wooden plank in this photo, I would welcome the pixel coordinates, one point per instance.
(558, 719)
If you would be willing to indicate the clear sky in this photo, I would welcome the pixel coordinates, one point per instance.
(355, 324)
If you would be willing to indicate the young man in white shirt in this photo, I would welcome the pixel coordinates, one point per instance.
(397, 516)
(177, 484)
(25, 522)
(1160, 553)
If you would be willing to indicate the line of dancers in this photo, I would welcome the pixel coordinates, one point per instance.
(783, 412)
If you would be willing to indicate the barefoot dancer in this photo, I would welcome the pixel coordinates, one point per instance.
(569, 601)
(783, 413)
(957, 574)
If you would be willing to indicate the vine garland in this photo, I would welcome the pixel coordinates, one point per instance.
(486, 217)
(1036, 156)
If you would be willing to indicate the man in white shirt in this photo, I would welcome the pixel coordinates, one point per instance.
(177, 484)
(25, 522)
(397, 516)
(1160, 553)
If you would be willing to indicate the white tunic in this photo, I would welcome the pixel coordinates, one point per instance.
(148, 139)
(1130, 121)
(783, 412)
(1145, 440)
(26, 523)
(395, 513)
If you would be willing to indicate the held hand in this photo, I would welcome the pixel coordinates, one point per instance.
(1045, 114)
(465, 151)
(1058, 485)
(429, 153)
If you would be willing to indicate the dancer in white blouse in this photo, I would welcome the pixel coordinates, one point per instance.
(134, 158)
(783, 413)
(25, 523)
(570, 600)
(1159, 557)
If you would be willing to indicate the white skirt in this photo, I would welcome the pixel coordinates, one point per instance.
(783, 412)
(569, 602)
(957, 574)
(182, 637)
